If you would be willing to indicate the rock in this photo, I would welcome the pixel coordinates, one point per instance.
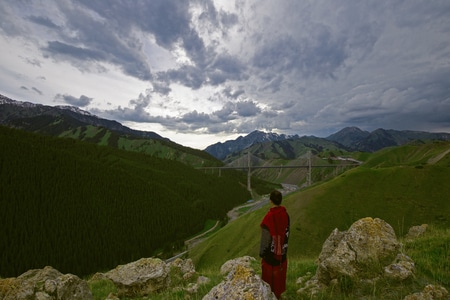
(367, 243)
(312, 287)
(203, 280)
(185, 265)
(303, 279)
(430, 292)
(359, 255)
(231, 264)
(416, 231)
(401, 269)
(192, 288)
(140, 278)
(47, 283)
(241, 283)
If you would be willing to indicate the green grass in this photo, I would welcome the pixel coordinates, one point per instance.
(102, 288)
(430, 252)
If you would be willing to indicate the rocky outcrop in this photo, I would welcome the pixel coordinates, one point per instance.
(47, 283)
(139, 278)
(367, 250)
(152, 275)
(241, 283)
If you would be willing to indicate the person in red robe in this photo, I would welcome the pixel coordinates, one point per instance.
(274, 245)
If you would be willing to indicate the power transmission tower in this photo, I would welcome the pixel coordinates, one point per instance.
(249, 186)
(308, 176)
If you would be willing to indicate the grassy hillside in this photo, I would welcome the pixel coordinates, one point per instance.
(81, 208)
(155, 147)
(61, 122)
(405, 186)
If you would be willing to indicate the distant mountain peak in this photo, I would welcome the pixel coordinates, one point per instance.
(221, 150)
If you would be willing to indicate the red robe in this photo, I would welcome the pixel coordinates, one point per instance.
(274, 250)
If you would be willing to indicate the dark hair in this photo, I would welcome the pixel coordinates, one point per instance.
(276, 197)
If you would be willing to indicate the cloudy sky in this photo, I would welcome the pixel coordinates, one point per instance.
(203, 71)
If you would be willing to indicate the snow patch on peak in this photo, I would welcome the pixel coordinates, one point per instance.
(75, 110)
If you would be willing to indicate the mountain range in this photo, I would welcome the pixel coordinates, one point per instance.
(69, 121)
(348, 139)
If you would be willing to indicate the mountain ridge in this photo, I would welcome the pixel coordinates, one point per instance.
(21, 109)
(349, 138)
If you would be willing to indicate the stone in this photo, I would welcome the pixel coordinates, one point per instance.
(430, 292)
(401, 269)
(365, 245)
(232, 263)
(360, 254)
(241, 283)
(203, 280)
(416, 231)
(44, 284)
(140, 278)
(186, 266)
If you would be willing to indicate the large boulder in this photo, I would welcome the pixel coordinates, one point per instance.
(241, 283)
(368, 243)
(139, 278)
(47, 283)
(359, 255)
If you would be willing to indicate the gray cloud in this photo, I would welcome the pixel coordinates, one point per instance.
(295, 66)
(56, 48)
(226, 113)
(247, 108)
(37, 91)
(44, 21)
(234, 94)
(81, 101)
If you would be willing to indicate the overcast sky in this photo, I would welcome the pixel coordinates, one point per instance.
(203, 71)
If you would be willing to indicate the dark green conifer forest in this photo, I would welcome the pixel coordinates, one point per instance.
(83, 208)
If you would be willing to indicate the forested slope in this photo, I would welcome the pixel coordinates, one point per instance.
(83, 208)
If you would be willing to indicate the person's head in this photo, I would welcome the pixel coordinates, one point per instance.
(276, 197)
